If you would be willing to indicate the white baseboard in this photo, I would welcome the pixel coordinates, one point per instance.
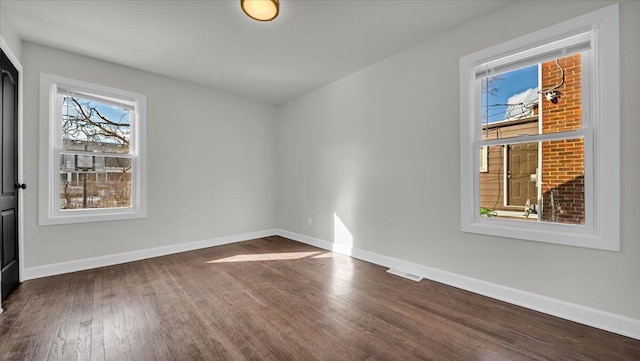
(113, 259)
(604, 320)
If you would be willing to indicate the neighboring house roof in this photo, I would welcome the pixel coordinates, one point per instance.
(510, 122)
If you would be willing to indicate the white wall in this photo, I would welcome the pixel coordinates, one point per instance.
(210, 164)
(380, 149)
(9, 35)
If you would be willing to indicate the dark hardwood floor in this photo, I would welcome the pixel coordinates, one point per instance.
(276, 299)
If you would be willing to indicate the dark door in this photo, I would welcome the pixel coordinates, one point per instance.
(9, 187)
(521, 174)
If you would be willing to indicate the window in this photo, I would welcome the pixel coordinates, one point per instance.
(92, 153)
(541, 112)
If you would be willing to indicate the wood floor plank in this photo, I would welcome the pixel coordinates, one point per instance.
(276, 299)
(116, 336)
(25, 342)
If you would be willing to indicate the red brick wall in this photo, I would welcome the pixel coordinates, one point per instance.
(563, 161)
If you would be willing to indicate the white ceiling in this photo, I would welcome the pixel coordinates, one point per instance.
(213, 43)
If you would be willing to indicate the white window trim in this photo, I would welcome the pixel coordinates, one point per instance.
(49, 212)
(484, 159)
(602, 165)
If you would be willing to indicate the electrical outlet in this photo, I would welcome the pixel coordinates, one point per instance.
(309, 221)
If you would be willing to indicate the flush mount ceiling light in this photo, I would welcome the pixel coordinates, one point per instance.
(261, 10)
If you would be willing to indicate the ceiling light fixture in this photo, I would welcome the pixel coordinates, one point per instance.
(261, 10)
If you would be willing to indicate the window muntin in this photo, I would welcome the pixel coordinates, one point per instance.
(595, 36)
(92, 168)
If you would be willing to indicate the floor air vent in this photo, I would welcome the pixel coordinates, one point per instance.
(406, 275)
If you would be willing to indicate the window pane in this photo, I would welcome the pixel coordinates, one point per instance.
(562, 94)
(509, 188)
(541, 99)
(518, 186)
(491, 182)
(510, 96)
(563, 181)
(90, 125)
(94, 182)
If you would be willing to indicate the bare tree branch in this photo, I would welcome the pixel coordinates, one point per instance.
(94, 130)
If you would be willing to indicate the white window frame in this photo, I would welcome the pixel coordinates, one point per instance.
(601, 130)
(50, 148)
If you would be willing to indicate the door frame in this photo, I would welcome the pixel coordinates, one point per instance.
(14, 60)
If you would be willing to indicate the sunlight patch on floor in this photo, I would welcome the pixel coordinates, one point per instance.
(265, 257)
(328, 255)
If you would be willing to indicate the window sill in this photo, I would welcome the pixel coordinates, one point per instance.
(92, 216)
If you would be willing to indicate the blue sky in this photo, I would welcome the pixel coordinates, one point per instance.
(114, 114)
(513, 87)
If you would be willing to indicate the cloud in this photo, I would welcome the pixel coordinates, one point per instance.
(526, 97)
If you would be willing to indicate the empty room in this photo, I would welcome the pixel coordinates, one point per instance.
(319, 180)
